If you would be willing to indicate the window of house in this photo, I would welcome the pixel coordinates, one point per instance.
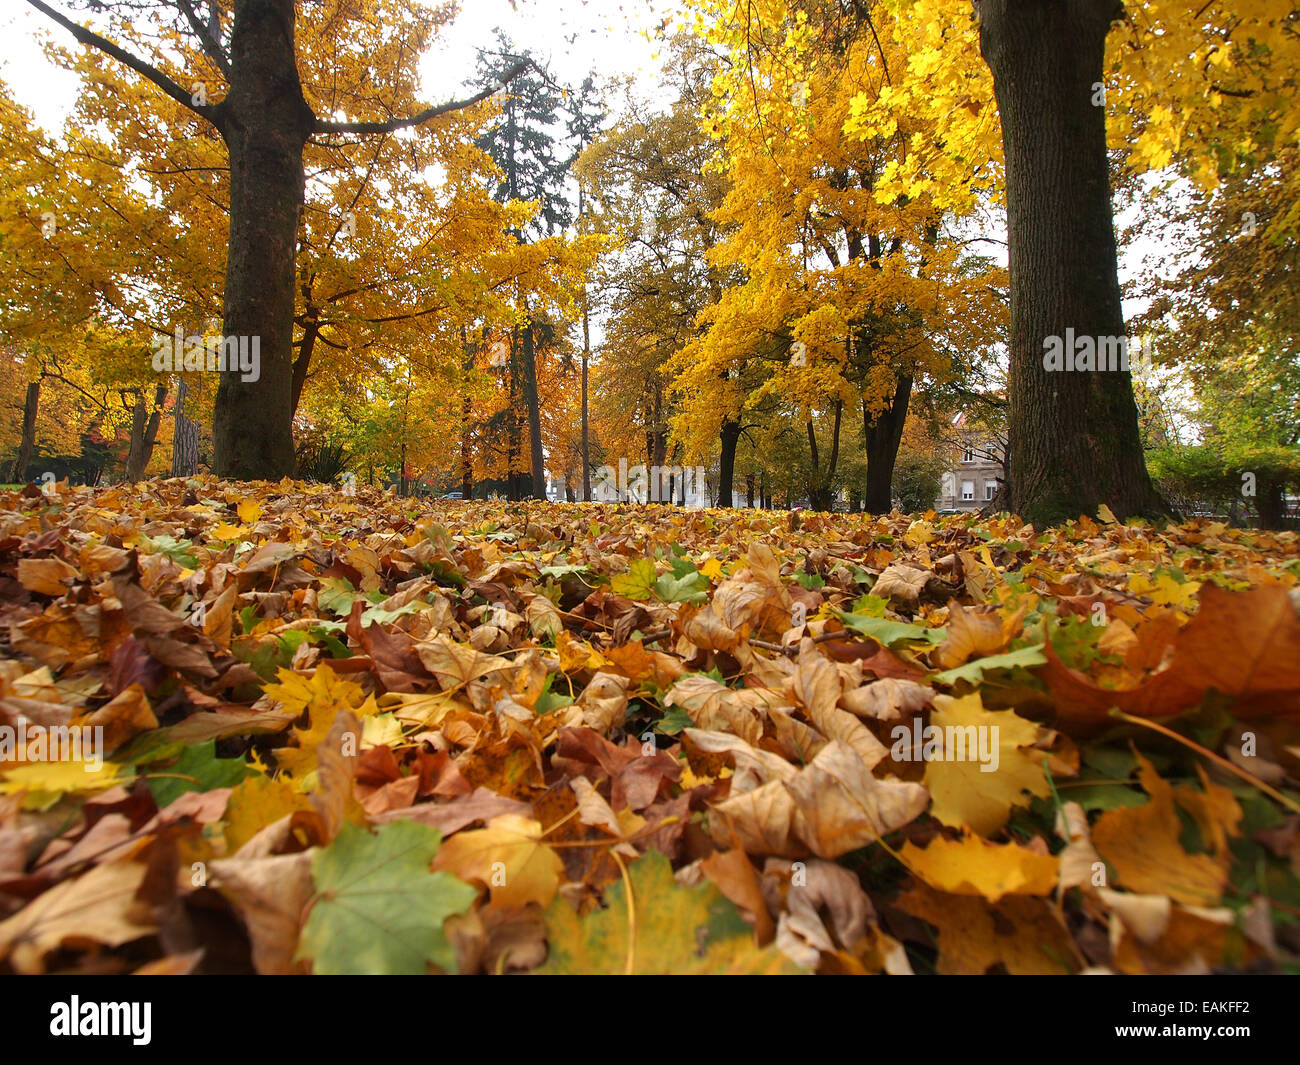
(989, 488)
(968, 490)
(968, 454)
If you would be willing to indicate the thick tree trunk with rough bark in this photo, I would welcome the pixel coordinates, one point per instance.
(466, 421)
(265, 122)
(514, 439)
(1074, 441)
(466, 465)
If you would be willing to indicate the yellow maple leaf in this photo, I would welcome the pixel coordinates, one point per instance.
(919, 532)
(974, 866)
(1165, 591)
(576, 655)
(380, 730)
(508, 857)
(980, 772)
(322, 696)
(258, 801)
(1141, 843)
(47, 782)
(456, 664)
(426, 709)
(249, 510)
(1024, 935)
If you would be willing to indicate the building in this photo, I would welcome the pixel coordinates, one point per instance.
(973, 479)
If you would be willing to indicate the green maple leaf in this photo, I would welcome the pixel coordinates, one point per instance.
(685, 584)
(381, 615)
(637, 583)
(378, 909)
(179, 551)
(336, 594)
(887, 633)
(974, 671)
(678, 930)
(560, 572)
(197, 769)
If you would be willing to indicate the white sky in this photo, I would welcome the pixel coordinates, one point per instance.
(612, 37)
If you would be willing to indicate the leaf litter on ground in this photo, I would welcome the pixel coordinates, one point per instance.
(363, 733)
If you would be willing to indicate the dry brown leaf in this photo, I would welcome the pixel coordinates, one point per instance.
(270, 894)
(97, 907)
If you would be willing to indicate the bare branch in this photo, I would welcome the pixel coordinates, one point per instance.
(145, 70)
(323, 126)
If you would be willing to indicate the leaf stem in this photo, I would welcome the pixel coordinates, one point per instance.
(1205, 752)
(630, 970)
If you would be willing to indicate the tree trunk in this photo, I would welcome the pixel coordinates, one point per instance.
(727, 461)
(1271, 505)
(513, 440)
(466, 418)
(265, 123)
(466, 466)
(534, 415)
(403, 481)
(586, 356)
(144, 434)
(31, 405)
(185, 437)
(139, 417)
(1074, 441)
(820, 484)
(310, 331)
(884, 432)
(586, 442)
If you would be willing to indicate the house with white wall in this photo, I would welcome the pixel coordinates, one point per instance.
(972, 479)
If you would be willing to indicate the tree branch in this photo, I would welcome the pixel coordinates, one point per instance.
(145, 70)
(210, 46)
(323, 126)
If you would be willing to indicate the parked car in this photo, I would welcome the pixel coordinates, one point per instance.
(453, 495)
